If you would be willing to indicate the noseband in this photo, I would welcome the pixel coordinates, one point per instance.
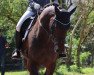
(62, 23)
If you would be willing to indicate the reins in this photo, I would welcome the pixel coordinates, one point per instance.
(55, 20)
(41, 24)
(49, 34)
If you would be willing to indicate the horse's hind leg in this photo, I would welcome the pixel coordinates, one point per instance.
(50, 69)
(32, 68)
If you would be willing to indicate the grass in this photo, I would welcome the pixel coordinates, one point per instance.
(26, 73)
(17, 73)
(62, 70)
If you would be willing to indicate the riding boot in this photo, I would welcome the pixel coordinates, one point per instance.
(16, 54)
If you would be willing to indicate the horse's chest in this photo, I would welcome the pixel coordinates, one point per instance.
(36, 43)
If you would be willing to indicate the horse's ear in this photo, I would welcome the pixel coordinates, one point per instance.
(57, 10)
(72, 9)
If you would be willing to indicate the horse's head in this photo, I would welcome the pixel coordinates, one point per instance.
(63, 17)
(62, 24)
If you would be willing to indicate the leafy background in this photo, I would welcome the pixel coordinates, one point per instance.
(80, 37)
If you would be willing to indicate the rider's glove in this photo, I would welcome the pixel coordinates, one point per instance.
(36, 6)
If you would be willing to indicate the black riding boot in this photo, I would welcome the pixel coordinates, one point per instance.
(18, 40)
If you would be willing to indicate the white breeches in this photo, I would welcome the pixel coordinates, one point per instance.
(26, 15)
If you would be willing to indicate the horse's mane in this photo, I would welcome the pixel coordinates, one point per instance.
(49, 10)
(47, 13)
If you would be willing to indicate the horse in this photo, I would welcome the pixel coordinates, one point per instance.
(46, 39)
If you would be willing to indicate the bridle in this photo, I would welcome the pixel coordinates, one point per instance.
(53, 25)
(52, 29)
(61, 22)
(64, 25)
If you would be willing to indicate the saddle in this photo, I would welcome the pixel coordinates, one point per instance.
(27, 26)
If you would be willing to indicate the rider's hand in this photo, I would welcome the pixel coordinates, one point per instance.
(36, 6)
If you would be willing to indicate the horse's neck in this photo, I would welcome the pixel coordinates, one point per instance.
(47, 16)
(43, 23)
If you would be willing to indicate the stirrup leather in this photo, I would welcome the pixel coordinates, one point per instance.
(28, 29)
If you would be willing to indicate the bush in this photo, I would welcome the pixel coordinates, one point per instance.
(87, 70)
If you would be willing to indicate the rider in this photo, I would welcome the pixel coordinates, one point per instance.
(34, 6)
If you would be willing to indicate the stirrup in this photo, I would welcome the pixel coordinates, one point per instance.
(25, 35)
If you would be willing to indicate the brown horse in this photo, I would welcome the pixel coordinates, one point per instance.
(46, 37)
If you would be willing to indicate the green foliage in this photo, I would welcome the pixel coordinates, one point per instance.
(62, 70)
(87, 70)
(10, 12)
(91, 17)
(17, 73)
(73, 68)
(42, 71)
(74, 49)
(84, 56)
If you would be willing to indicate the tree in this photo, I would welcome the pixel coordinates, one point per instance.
(81, 28)
(10, 12)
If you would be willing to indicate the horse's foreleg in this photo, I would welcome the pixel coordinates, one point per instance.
(32, 68)
(25, 62)
(50, 69)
